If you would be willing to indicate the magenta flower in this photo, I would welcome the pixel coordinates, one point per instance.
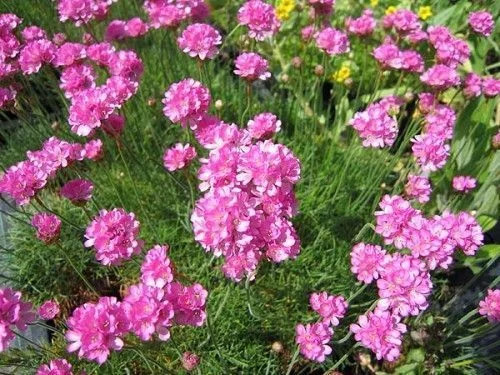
(77, 78)
(95, 329)
(136, 27)
(464, 184)
(260, 18)
(362, 26)
(31, 33)
(78, 191)
(7, 95)
(419, 188)
(93, 150)
(48, 227)
(313, 340)
(440, 77)
(82, 11)
(22, 181)
(467, 233)
(55, 367)
(186, 101)
(200, 40)
(473, 85)
(264, 125)
(482, 22)
(189, 303)
(115, 31)
(13, 313)
(190, 361)
(36, 53)
(114, 235)
(332, 41)
(49, 310)
(251, 66)
(380, 332)
(114, 125)
(307, 33)
(366, 260)
(157, 270)
(164, 14)
(178, 156)
(450, 50)
(491, 87)
(430, 151)
(70, 53)
(101, 53)
(490, 306)
(403, 21)
(331, 308)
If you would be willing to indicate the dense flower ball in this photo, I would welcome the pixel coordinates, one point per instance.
(251, 66)
(464, 183)
(322, 7)
(95, 329)
(264, 125)
(313, 340)
(55, 367)
(490, 305)
(189, 303)
(78, 191)
(186, 101)
(260, 18)
(22, 180)
(362, 26)
(36, 53)
(178, 156)
(200, 40)
(366, 260)
(419, 188)
(482, 22)
(31, 33)
(380, 332)
(190, 361)
(491, 87)
(114, 235)
(48, 227)
(430, 151)
(450, 50)
(82, 11)
(472, 85)
(156, 270)
(49, 310)
(332, 41)
(331, 308)
(13, 313)
(76, 78)
(440, 77)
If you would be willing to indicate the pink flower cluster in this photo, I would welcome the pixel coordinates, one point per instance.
(119, 29)
(186, 101)
(464, 184)
(251, 66)
(83, 11)
(23, 180)
(260, 18)
(49, 310)
(419, 188)
(55, 367)
(48, 227)
(490, 306)
(78, 191)
(178, 156)
(114, 235)
(376, 125)
(13, 313)
(170, 13)
(482, 22)
(450, 50)
(363, 25)
(403, 21)
(475, 85)
(389, 55)
(330, 308)
(440, 77)
(332, 41)
(36, 53)
(366, 260)
(200, 40)
(264, 125)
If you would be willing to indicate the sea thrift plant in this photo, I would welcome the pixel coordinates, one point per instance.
(419, 188)
(14, 313)
(482, 22)
(178, 157)
(49, 310)
(78, 191)
(48, 227)
(313, 340)
(332, 41)
(490, 305)
(56, 367)
(260, 18)
(186, 101)
(251, 66)
(264, 125)
(200, 40)
(330, 308)
(464, 184)
(157, 270)
(366, 261)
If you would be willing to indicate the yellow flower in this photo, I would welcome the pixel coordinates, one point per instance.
(373, 3)
(390, 10)
(425, 12)
(284, 8)
(342, 74)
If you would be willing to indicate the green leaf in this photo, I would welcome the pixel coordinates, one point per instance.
(416, 355)
(408, 369)
(486, 222)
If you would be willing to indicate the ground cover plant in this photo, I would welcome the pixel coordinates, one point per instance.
(249, 187)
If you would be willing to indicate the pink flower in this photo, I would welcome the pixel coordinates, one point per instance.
(430, 151)
(322, 7)
(7, 95)
(156, 270)
(31, 33)
(330, 308)
(55, 367)
(419, 188)
(186, 101)
(252, 66)
(59, 38)
(78, 191)
(95, 329)
(472, 85)
(332, 41)
(190, 361)
(200, 40)
(450, 50)
(49, 310)
(126, 64)
(189, 303)
(69, 53)
(490, 306)
(93, 150)
(467, 233)
(82, 11)
(404, 285)
(404, 21)
(13, 313)
(260, 19)
(440, 122)
(115, 31)
(164, 14)
(101, 53)
(36, 53)
(114, 235)
(427, 102)
(48, 227)
(313, 340)
(440, 77)
(136, 27)
(264, 125)
(77, 78)
(113, 125)
(380, 332)
(464, 183)
(178, 156)
(482, 22)
(491, 87)
(362, 26)
(307, 33)
(366, 260)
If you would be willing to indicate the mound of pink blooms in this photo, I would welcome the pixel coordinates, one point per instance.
(78, 191)
(430, 151)
(473, 85)
(332, 41)
(251, 66)
(55, 367)
(362, 26)
(491, 87)
(389, 55)
(83, 11)
(264, 125)
(179, 156)
(31, 33)
(381, 332)
(330, 308)
(419, 188)
(200, 40)
(450, 50)
(366, 261)
(482, 22)
(440, 77)
(48, 227)
(190, 361)
(403, 21)
(490, 306)
(49, 310)
(260, 18)
(36, 53)
(114, 236)
(170, 14)
(313, 340)
(186, 101)
(119, 29)
(156, 269)
(77, 78)
(13, 313)
(464, 184)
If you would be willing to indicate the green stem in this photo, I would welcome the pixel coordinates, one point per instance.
(293, 361)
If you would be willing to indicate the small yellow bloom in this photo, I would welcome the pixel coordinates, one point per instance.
(284, 9)
(390, 10)
(342, 74)
(424, 12)
(373, 3)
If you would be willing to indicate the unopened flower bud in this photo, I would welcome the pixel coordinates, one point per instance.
(151, 102)
(319, 70)
(190, 361)
(284, 78)
(219, 104)
(277, 347)
(364, 359)
(55, 125)
(296, 62)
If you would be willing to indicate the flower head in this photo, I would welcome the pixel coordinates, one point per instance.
(440, 77)
(362, 26)
(36, 53)
(186, 101)
(331, 308)
(13, 313)
(200, 40)
(482, 22)
(260, 18)
(264, 125)
(55, 367)
(313, 340)
(366, 260)
(490, 305)
(178, 156)
(78, 191)
(156, 270)
(332, 41)
(251, 66)
(49, 310)
(464, 183)
(419, 188)
(48, 227)
(190, 361)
